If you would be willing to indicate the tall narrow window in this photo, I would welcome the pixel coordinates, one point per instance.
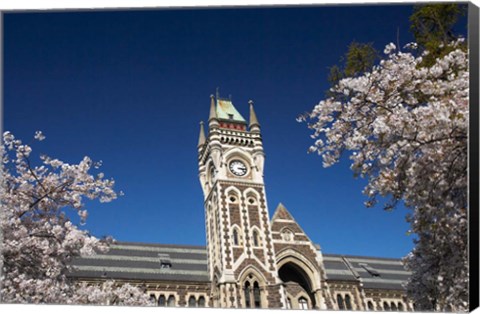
(256, 295)
(400, 307)
(161, 300)
(348, 302)
(171, 301)
(192, 302)
(201, 302)
(235, 236)
(341, 306)
(370, 306)
(289, 303)
(302, 303)
(393, 306)
(255, 238)
(153, 299)
(247, 294)
(386, 307)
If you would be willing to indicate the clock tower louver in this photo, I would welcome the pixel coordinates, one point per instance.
(240, 249)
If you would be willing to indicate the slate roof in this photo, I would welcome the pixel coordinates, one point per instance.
(141, 261)
(372, 272)
(225, 108)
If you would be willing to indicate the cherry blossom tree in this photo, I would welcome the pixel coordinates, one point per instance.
(39, 240)
(405, 126)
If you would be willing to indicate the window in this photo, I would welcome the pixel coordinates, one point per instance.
(230, 116)
(153, 299)
(400, 307)
(348, 302)
(256, 295)
(341, 306)
(302, 303)
(164, 260)
(287, 235)
(191, 301)
(201, 302)
(161, 300)
(386, 307)
(255, 238)
(370, 306)
(289, 303)
(247, 294)
(252, 293)
(171, 301)
(235, 237)
(393, 306)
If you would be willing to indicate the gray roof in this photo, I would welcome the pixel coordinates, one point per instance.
(372, 272)
(141, 261)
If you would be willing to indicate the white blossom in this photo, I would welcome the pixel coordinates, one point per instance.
(407, 126)
(39, 241)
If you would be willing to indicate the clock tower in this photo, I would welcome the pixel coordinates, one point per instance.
(241, 257)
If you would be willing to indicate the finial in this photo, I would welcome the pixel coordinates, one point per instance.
(201, 137)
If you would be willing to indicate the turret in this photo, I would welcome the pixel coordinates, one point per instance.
(212, 119)
(254, 125)
(201, 136)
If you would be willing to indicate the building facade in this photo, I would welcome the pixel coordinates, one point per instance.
(250, 260)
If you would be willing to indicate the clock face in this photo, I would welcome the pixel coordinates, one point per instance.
(238, 168)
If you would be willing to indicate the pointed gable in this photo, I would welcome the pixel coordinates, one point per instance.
(283, 219)
(282, 213)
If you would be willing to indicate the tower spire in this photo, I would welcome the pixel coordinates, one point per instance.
(254, 125)
(201, 137)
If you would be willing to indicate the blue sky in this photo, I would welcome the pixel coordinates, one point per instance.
(130, 88)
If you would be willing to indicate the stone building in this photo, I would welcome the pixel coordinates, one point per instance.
(250, 260)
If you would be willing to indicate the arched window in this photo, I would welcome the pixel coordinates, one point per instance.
(256, 295)
(161, 300)
(341, 306)
(201, 302)
(370, 306)
(171, 301)
(235, 236)
(302, 303)
(386, 307)
(289, 303)
(247, 294)
(191, 301)
(153, 299)
(255, 238)
(400, 306)
(287, 235)
(348, 302)
(393, 306)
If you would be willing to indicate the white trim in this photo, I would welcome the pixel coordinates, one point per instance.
(144, 259)
(157, 249)
(167, 271)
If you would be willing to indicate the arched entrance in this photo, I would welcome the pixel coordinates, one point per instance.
(298, 286)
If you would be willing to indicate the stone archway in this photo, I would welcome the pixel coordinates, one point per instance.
(296, 268)
(297, 284)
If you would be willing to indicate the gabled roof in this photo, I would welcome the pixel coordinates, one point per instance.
(226, 111)
(141, 261)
